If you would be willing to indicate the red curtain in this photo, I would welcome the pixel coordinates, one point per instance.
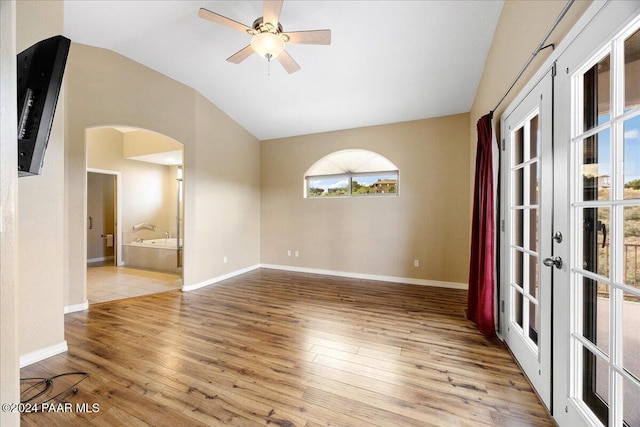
(480, 302)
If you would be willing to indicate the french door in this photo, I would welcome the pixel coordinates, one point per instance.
(526, 251)
(597, 200)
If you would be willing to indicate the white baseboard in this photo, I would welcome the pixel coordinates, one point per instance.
(76, 307)
(195, 286)
(394, 279)
(38, 355)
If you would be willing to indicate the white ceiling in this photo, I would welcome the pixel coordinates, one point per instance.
(389, 61)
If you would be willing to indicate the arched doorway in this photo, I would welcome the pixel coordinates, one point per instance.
(134, 213)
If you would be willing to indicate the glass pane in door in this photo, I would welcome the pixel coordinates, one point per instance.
(630, 336)
(596, 94)
(595, 326)
(631, 71)
(631, 411)
(595, 393)
(595, 152)
(631, 250)
(631, 158)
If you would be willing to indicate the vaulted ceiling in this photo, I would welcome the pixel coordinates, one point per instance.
(389, 61)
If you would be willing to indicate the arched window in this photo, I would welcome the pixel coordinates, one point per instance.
(351, 172)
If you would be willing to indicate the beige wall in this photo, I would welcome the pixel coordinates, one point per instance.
(41, 207)
(9, 354)
(222, 203)
(429, 220)
(222, 181)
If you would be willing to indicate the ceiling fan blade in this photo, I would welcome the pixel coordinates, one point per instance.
(241, 55)
(310, 37)
(271, 11)
(222, 20)
(288, 63)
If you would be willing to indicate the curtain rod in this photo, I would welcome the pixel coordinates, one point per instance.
(540, 47)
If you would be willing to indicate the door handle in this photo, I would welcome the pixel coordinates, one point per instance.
(553, 262)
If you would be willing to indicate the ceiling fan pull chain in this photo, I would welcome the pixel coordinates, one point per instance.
(268, 55)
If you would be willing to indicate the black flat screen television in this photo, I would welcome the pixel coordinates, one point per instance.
(40, 71)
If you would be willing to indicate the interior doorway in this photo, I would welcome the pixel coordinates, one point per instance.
(135, 176)
(102, 218)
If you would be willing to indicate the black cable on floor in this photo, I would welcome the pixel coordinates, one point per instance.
(47, 385)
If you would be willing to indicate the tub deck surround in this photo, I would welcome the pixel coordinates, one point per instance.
(285, 348)
(170, 243)
(152, 254)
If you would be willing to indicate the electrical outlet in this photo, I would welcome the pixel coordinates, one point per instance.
(224, 259)
(288, 253)
(416, 263)
(297, 254)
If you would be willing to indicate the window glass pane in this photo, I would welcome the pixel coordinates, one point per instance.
(533, 183)
(517, 315)
(518, 187)
(596, 385)
(534, 282)
(631, 155)
(533, 322)
(533, 229)
(631, 413)
(632, 71)
(518, 261)
(596, 167)
(595, 249)
(596, 94)
(630, 336)
(374, 184)
(518, 228)
(534, 132)
(518, 146)
(603, 237)
(595, 313)
(631, 245)
(597, 329)
(328, 186)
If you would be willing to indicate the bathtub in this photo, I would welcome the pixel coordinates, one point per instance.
(157, 243)
(153, 254)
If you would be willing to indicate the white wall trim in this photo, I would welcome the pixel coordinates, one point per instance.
(76, 307)
(44, 353)
(186, 288)
(393, 279)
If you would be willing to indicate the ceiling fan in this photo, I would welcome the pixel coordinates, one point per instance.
(268, 37)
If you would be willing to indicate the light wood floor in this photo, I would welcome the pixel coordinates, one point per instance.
(289, 349)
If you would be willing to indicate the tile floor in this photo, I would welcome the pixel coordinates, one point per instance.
(109, 283)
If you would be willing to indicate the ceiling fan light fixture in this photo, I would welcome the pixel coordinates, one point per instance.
(266, 43)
